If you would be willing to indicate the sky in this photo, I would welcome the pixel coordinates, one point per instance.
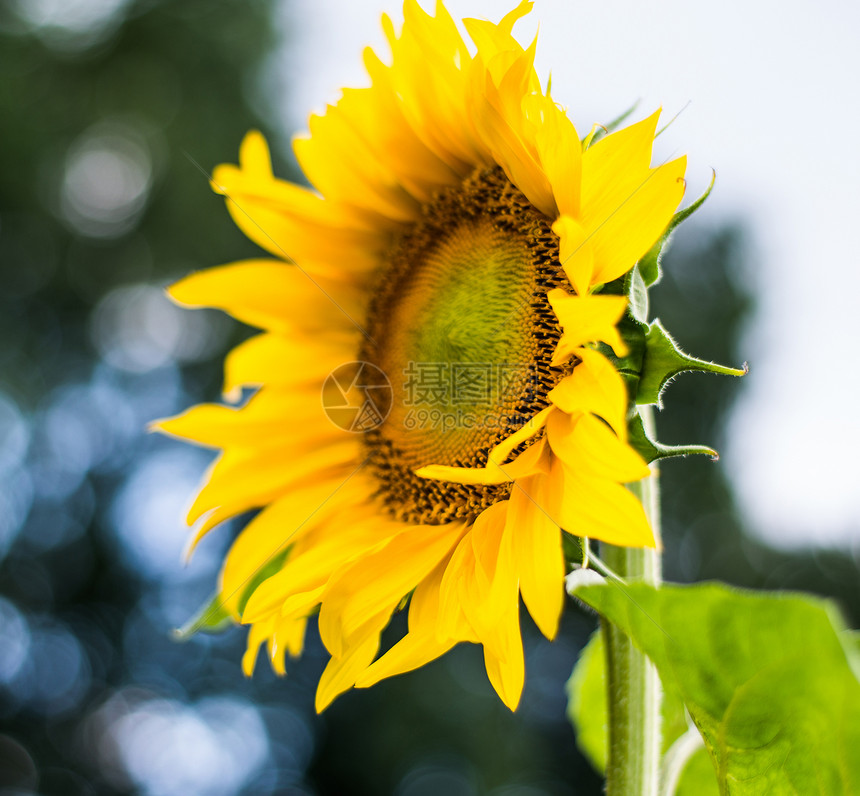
(766, 94)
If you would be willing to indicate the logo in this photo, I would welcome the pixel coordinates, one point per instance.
(357, 397)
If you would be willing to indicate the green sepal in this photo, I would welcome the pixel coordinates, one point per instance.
(651, 450)
(649, 265)
(851, 639)
(637, 295)
(633, 327)
(663, 360)
(272, 567)
(573, 549)
(213, 617)
(601, 131)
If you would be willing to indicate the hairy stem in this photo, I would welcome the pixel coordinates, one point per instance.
(634, 686)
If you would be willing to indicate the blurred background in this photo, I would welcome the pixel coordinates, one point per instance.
(109, 109)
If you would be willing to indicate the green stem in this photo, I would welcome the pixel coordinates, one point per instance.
(634, 686)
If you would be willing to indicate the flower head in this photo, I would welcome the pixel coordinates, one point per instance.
(439, 288)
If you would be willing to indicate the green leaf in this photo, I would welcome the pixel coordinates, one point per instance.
(765, 677)
(651, 450)
(663, 360)
(212, 617)
(697, 778)
(649, 265)
(587, 708)
(586, 702)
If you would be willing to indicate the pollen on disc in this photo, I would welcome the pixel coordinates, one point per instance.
(462, 328)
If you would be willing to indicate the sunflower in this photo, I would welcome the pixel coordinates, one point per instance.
(439, 286)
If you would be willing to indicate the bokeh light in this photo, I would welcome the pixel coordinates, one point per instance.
(106, 181)
(71, 24)
(137, 328)
(167, 748)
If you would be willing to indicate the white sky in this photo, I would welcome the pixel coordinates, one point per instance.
(773, 93)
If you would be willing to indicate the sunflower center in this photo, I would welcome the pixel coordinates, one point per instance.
(462, 328)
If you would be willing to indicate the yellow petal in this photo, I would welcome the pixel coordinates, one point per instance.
(275, 528)
(323, 552)
(533, 460)
(507, 674)
(503, 646)
(291, 222)
(302, 603)
(480, 584)
(613, 168)
(288, 637)
(585, 505)
(500, 79)
(495, 570)
(341, 673)
(273, 295)
(588, 319)
(494, 472)
(469, 588)
(379, 114)
(316, 249)
(439, 607)
(422, 643)
(629, 233)
(253, 181)
(596, 387)
(626, 205)
(269, 417)
(239, 480)
(531, 427)
(411, 652)
(560, 155)
(427, 78)
(490, 38)
(280, 362)
(343, 167)
(377, 582)
(575, 253)
(257, 634)
(491, 474)
(500, 123)
(538, 552)
(586, 444)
